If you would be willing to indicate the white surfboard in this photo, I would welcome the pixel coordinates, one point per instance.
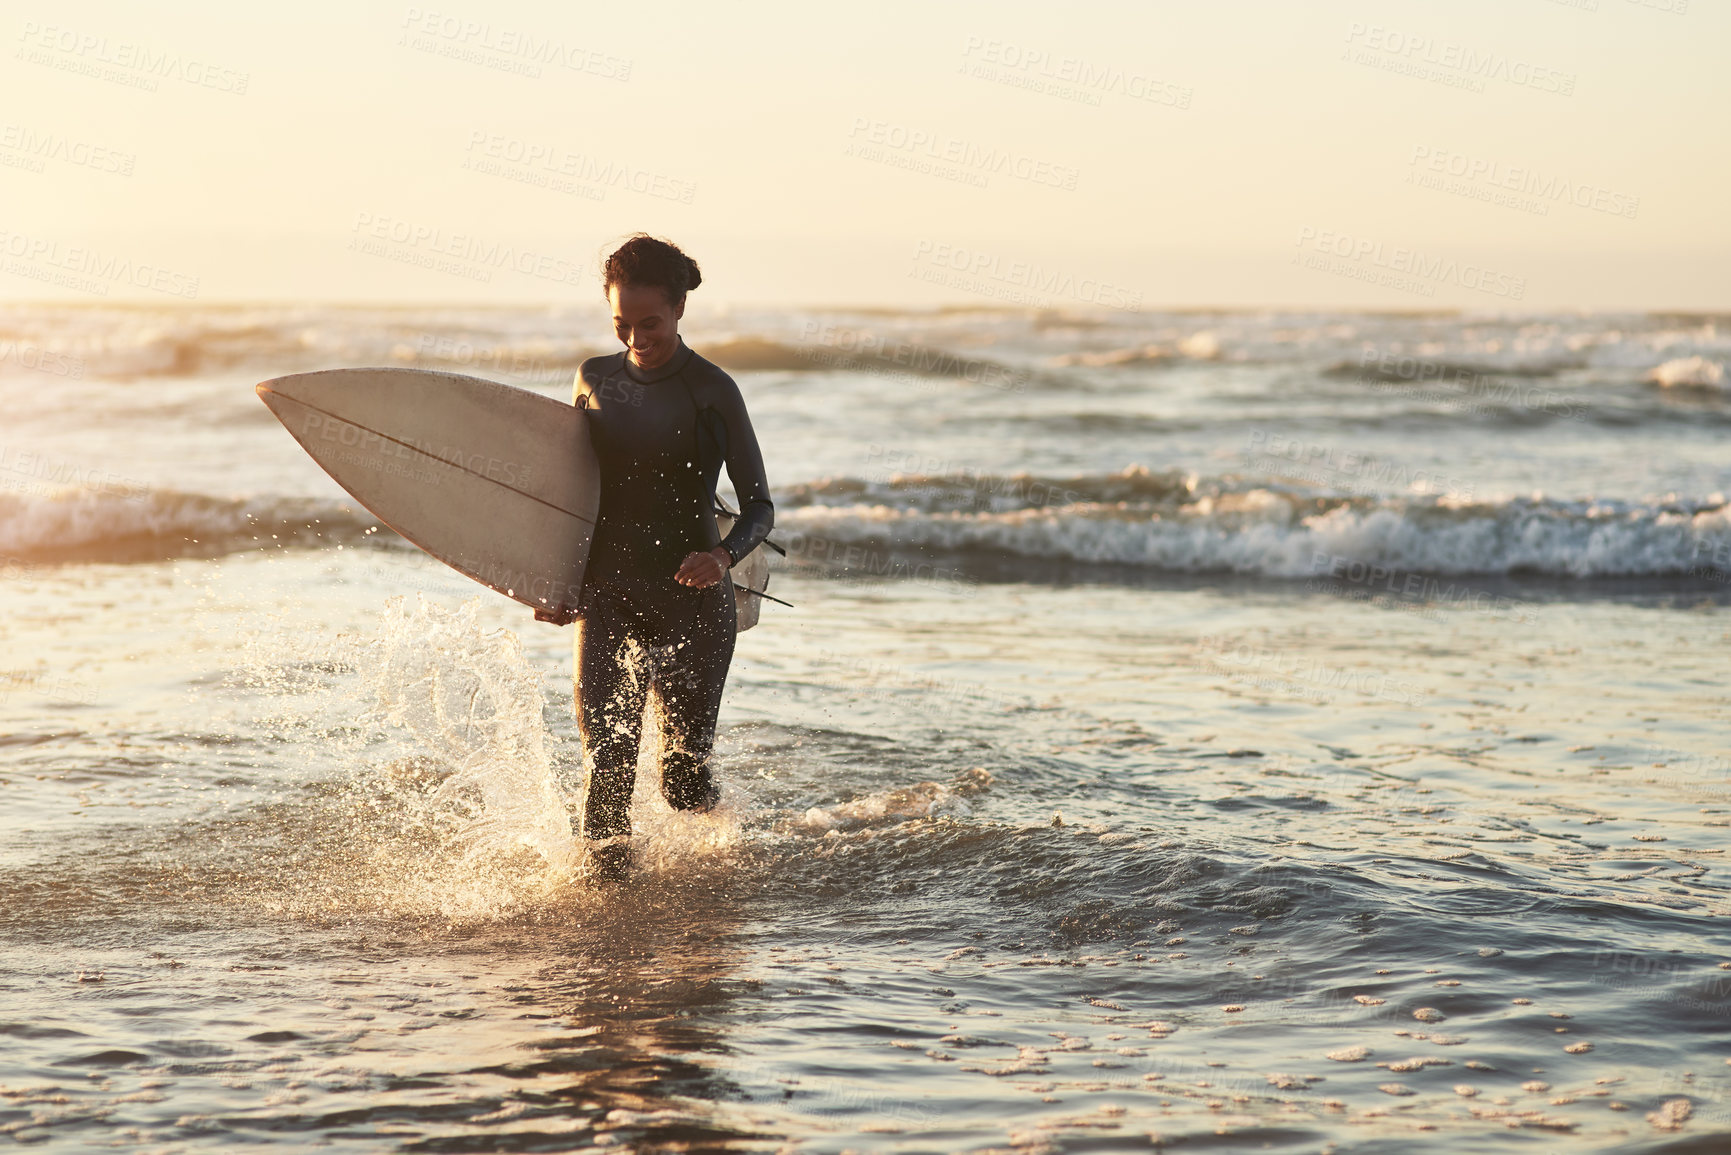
(750, 577)
(497, 482)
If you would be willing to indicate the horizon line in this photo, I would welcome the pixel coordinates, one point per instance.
(1705, 311)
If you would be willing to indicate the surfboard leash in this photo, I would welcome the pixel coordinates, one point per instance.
(770, 597)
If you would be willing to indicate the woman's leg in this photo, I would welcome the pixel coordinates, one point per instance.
(610, 697)
(687, 689)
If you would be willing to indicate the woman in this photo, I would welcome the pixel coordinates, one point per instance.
(657, 608)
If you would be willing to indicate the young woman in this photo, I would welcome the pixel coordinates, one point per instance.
(657, 608)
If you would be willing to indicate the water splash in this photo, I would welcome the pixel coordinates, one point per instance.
(428, 786)
(439, 787)
(473, 703)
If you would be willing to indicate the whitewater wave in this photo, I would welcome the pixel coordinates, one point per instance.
(960, 490)
(1155, 522)
(862, 351)
(532, 346)
(541, 347)
(1160, 521)
(895, 805)
(1687, 373)
(135, 523)
(1006, 347)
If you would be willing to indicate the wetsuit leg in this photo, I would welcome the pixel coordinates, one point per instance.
(687, 688)
(610, 697)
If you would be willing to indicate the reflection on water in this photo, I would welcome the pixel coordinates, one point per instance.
(407, 951)
(328, 907)
(594, 1015)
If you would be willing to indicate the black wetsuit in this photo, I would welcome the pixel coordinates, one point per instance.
(661, 436)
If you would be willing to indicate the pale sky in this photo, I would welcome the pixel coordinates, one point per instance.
(1485, 154)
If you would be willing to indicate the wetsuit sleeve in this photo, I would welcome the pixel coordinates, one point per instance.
(745, 470)
(581, 385)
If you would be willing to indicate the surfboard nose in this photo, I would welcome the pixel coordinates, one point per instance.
(274, 400)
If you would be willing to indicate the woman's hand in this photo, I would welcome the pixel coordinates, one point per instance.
(702, 570)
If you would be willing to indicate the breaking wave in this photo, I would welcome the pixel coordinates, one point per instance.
(1160, 521)
(134, 523)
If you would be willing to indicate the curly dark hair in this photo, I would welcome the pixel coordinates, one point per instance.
(648, 261)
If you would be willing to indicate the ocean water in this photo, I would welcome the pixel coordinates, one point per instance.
(1217, 731)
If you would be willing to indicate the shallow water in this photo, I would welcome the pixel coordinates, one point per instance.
(1033, 841)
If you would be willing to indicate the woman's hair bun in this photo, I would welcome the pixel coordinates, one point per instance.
(647, 261)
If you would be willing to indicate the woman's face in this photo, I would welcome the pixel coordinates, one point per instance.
(646, 323)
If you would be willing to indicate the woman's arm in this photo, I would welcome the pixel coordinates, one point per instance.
(745, 470)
